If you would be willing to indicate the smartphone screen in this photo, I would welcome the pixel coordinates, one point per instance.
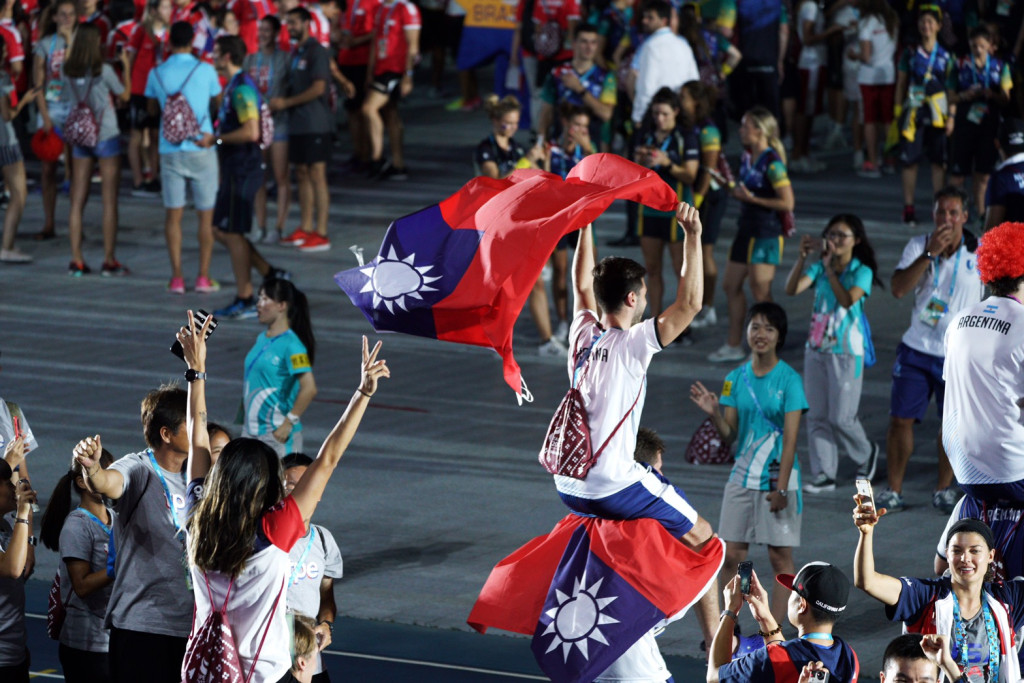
(745, 569)
(866, 493)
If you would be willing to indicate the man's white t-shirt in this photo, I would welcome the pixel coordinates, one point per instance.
(615, 380)
(967, 290)
(881, 68)
(641, 663)
(982, 421)
(811, 56)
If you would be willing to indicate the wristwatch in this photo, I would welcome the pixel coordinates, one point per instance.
(293, 418)
(782, 492)
(330, 626)
(191, 375)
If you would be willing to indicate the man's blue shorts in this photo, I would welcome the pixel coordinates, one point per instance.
(915, 377)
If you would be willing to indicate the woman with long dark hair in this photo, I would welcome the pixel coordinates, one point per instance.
(81, 536)
(241, 524)
(279, 383)
(836, 345)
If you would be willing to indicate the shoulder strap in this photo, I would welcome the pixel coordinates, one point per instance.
(615, 431)
(323, 539)
(185, 82)
(270, 620)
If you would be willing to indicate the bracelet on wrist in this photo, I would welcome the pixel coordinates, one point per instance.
(360, 390)
(22, 520)
(728, 613)
(777, 629)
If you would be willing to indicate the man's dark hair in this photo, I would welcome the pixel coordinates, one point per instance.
(182, 34)
(302, 13)
(980, 31)
(907, 646)
(584, 27)
(952, 192)
(163, 407)
(649, 446)
(614, 278)
(295, 460)
(274, 22)
(234, 48)
(822, 616)
(774, 314)
(660, 7)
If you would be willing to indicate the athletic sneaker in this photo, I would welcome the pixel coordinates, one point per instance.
(315, 242)
(14, 256)
(295, 239)
(820, 484)
(205, 285)
(858, 159)
(78, 269)
(869, 170)
(176, 285)
(867, 470)
(945, 499)
(835, 139)
(271, 237)
(706, 318)
(562, 330)
(890, 500)
(909, 216)
(240, 309)
(395, 173)
(114, 268)
(552, 347)
(727, 354)
(378, 168)
(471, 105)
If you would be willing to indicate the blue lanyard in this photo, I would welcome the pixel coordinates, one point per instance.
(167, 490)
(931, 62)
(817, 636)
(106, 529)
(956, 268)
(992, 636)
(302, 557)
(984, 73)
(745, 374)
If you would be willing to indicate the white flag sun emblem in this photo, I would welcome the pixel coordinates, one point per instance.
(577, 617)
(392, 280)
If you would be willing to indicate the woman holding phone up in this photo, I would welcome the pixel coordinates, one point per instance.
(760, 409)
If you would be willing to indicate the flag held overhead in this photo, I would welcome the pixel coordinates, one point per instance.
(461, 270)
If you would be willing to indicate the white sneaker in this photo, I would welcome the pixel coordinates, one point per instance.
(706, 318)
(835, 139)
(562, 331)
(271, 236)
(821, 484)
(858, 159)
(726, 354)
(552, 347)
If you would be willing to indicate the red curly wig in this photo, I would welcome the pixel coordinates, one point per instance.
(1001, 252)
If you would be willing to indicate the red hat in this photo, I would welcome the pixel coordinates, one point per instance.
(47, 146)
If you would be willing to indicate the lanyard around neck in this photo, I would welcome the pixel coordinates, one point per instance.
(956, 267)
(302, 557)
(106, 529)
(167, 489)
(991, 633)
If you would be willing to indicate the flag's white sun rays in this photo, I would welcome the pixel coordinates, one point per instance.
(392, 280)
(577, 617)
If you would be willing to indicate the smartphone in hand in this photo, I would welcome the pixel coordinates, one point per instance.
(200, 318)
(866, 493)
(745, 571)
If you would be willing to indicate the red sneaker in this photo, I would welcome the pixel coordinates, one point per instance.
(296, 239)
(315, 242)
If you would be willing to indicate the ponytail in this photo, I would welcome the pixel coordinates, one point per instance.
(766, 122)
(57, 510)
(780, 149)
(283, 291)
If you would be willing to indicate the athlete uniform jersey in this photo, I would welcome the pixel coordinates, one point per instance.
(118, 39)
(149, 52)
(100, 21)
(560, 12)
(12, 39)
(995, 74)
(782, 662)
(272, 369)
(616, 384)
(598, 82)
(982, 429)
(762, 177)
(390, 23)
(927, 76)
(505, 159)
(1006, 188)
(357, 21)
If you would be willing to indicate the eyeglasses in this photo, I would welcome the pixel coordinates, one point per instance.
(838, 236)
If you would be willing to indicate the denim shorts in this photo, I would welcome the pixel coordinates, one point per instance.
(111, 147)
(198, 169)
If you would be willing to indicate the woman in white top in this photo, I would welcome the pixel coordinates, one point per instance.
(876, 76)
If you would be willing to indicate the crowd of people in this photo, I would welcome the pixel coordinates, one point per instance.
(247, 91)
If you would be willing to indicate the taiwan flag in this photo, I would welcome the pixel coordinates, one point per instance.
(591, 588)
(461, 270)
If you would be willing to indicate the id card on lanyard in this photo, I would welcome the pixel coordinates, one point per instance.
(54, 86)
(979, 110)
(382, 41)
(916, 92)
(937, 308)
(179, 529)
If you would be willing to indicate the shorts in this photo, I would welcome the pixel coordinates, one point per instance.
(665, 228)
(929, 144)
(357, 74)
(972, 147)
(812, 91)
(1011, 492)
(877, 102)
(751, 250)
(309, 149)
(653, 497)
(387, 84)
(111, 147)
(139, 117)
(10, 154)
(747, 517)
(197, 169)
(239, 184)
(916, 377)
(712, 211)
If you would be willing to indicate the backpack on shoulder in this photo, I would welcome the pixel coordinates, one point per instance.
(81, 127)
(56, 608)
(212, 655)
(178, 121)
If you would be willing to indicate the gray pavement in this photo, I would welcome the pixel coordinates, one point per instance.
(442, 480)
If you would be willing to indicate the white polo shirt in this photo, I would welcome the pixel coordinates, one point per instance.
(982, 422)
(959, 294)
(616, 378)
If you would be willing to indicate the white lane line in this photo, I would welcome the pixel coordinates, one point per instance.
(436, 665)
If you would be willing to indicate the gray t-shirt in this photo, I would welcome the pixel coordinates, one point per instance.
(7, 135)
(269, 73)
(977, 650)
(13, 639)
(313, 557)
(53, 50)
(150, 593)
(83, 538)
(100, 99)
(309, 62)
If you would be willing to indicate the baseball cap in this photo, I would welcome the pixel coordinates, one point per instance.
(1011, 136)
(821, 584)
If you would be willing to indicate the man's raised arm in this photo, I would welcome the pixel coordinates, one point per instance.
(583, 272)
(678, 316)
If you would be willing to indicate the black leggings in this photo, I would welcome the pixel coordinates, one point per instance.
(82, 666)
(133, 652)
